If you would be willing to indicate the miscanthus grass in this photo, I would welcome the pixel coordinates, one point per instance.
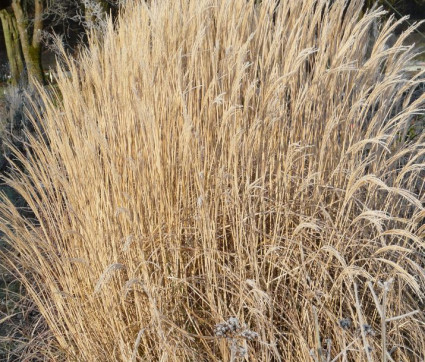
(212, 161)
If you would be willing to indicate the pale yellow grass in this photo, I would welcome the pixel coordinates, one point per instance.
(212, 159)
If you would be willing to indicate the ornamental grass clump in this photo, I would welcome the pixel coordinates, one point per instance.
(216, 158)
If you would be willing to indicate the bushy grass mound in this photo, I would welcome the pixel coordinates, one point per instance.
(236, 169)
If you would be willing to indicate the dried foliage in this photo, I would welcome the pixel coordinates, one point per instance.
(217, 160)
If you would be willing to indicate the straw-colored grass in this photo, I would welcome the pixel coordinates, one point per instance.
(211, 159)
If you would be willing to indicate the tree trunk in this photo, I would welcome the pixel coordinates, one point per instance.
(31, 46)
(13, 46)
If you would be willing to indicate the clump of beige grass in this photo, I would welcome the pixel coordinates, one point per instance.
(217, 159)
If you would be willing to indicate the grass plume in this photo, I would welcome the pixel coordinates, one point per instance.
(218, 159)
